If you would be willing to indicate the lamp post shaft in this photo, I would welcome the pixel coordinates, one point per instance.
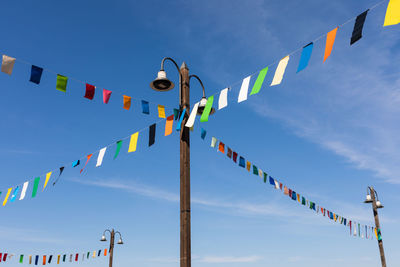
(378, 227)
(111, 250)
(184, 101)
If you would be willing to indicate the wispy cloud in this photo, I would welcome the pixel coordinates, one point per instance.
(229, 259)
(27, 235)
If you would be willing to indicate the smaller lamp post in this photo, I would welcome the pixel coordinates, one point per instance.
(372, 197)
(112, 236)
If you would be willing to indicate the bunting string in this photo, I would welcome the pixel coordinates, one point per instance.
(12, 192)
(7, 67)
(61, 258)
(355, 228)
(392, 17)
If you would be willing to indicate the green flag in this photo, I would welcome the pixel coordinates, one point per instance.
(61, 83)
(265, 177)
(255, 170)
(21, 258)
(207, 109)
(119, 144)
(35, 186)
(259, 81)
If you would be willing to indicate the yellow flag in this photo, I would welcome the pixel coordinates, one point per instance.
(47, 180)
(8, 194)
(392, 13)
(161, 111)
(94, 254)
(133, 142)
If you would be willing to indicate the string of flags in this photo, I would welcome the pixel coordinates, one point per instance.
(7, 67)
(33, 185)
(52, 258)
(392, 17)
(355, 228)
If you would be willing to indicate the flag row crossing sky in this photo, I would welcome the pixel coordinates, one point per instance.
(48, 259)
(360, 230)
(392, 17)
(12, 193)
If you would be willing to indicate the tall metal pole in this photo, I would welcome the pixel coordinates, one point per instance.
(184, 101)
(380, 243)
(111, 250)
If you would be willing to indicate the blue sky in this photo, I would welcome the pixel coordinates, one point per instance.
(327, 132)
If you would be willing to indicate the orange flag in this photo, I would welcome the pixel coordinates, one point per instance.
(127, 102)
(330, 40)
(168, 125)
(105, 252)
(221, 147)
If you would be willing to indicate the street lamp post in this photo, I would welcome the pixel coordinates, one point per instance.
(162, 84)
(111, 249)
(372, 197)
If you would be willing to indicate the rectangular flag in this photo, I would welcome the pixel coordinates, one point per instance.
(145, 107)
(242, 162)
(106, 96)
(7, 195)
(221, 147)
(7, 64)
(260, 79)
(280, 70)
(44, 260)
(203, 133)
(255, 170)
(213, 141)
(358, 27)
(88, 157)
(21, 258)
(229, 153)
(23, 192)
(207, 109)
(392, 16)
(61, 84)
(248, 165)
(90, 90)
(48, 175)
(127, 102)
(161, 111)
(244, 89)
(223, 99)
(100, 157)
(35, 186)
(133, 142)
(152, 134)
(168, 125)
(305, 56)
(330, 40)
(179, 125)
(119, 144)
(234, 156)
(192, 117)
(36, 74)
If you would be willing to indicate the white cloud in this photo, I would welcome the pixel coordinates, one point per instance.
(229, 259)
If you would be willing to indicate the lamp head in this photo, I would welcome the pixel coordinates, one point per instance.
(120, 242)
(161, 83)
(103, 238)
(202, 105)
(379, 204)
(368, 199)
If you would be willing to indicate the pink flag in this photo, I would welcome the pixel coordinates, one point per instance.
(106, 95)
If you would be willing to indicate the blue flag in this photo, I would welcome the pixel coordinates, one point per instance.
(305, 57)
(36, 74)
(145, 107)
(242, 162)
(203, 133)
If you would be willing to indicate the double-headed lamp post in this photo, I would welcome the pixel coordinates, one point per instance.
(372, 197)
(163, 84)
(112, 236)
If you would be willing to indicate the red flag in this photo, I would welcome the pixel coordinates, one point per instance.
(88, 158)
(76, 257)
(90, 91)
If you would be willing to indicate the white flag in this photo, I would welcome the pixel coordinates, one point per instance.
(8, 64)
(280, 70)
(213, 142)
(192, 117)
(23, 192)
(223, 99)
(101, 156)
(244, 89)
